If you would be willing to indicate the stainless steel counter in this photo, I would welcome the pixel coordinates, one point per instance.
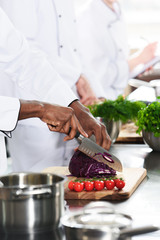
(143, 205)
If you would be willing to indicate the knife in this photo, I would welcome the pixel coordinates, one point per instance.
(93, 150)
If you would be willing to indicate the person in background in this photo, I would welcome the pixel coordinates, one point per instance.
(104, 49)
(34, 77)
(58, 119)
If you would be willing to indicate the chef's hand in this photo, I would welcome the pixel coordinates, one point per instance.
(148, 53)
(85, 92)
(58, 118)
(63, 120)
(91, 125)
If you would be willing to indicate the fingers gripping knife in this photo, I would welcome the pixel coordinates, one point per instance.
(93, 150)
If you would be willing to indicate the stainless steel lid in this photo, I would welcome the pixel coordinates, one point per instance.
(97, 215)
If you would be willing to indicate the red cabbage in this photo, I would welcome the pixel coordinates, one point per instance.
(83, 166)
(106, 156)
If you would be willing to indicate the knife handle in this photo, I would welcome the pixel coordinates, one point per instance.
(78, 135)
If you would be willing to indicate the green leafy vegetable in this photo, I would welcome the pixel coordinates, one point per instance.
(119, 109)
(149, 119)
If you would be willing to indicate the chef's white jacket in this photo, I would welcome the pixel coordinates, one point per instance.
(103, 48)
(31, 72)
(9, 111)
(49, 25)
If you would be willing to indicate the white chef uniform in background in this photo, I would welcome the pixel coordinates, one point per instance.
(33, 77)
(103, 48)
(49, 26)
(9, 110)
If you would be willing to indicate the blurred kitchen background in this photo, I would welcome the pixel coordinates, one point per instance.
(142, 20)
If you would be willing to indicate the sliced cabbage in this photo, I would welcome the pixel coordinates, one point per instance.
(83, 166)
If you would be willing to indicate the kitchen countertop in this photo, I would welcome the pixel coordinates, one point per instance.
(143, 205)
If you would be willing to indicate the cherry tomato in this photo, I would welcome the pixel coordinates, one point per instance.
(89, 185)
(116, 180)
(120, 184)
(78, 186)
(103, 179)
(71, 185)
(109, 184)
(99, 185)
(84, 181)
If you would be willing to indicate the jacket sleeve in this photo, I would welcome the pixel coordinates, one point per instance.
(30, 70)
(69, 73)
(9, 111)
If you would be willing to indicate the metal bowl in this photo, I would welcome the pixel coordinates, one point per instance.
(151, 140)
(113, 128)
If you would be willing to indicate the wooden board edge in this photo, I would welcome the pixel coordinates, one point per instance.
(123, 195)
(128, 194)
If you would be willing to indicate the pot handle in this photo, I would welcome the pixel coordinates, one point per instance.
(99, 206)
(129, 232)
(24, 192)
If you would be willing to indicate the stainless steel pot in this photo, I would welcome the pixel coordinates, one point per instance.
(31, 202)
(56, 234)
(98, 221)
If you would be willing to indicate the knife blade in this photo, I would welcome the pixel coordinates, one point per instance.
(93, 150)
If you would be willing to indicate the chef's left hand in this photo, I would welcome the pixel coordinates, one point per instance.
(58, 118)
(91, 125)
(85, 92)
(62, 119)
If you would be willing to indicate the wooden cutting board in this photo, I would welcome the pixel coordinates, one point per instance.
(128, 134)
(133, 177)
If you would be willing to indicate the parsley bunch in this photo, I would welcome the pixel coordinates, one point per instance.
(149, 119)
(119, 109)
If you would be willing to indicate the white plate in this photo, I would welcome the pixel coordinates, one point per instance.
(138, 83)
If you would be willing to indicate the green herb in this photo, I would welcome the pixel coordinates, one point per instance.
(149, 119)
(119, 109)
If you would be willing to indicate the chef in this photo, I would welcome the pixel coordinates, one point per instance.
(104, 48)
(58, 119)
(32, 76)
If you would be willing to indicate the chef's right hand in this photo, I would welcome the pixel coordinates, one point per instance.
(91, 125)
(63, 120)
